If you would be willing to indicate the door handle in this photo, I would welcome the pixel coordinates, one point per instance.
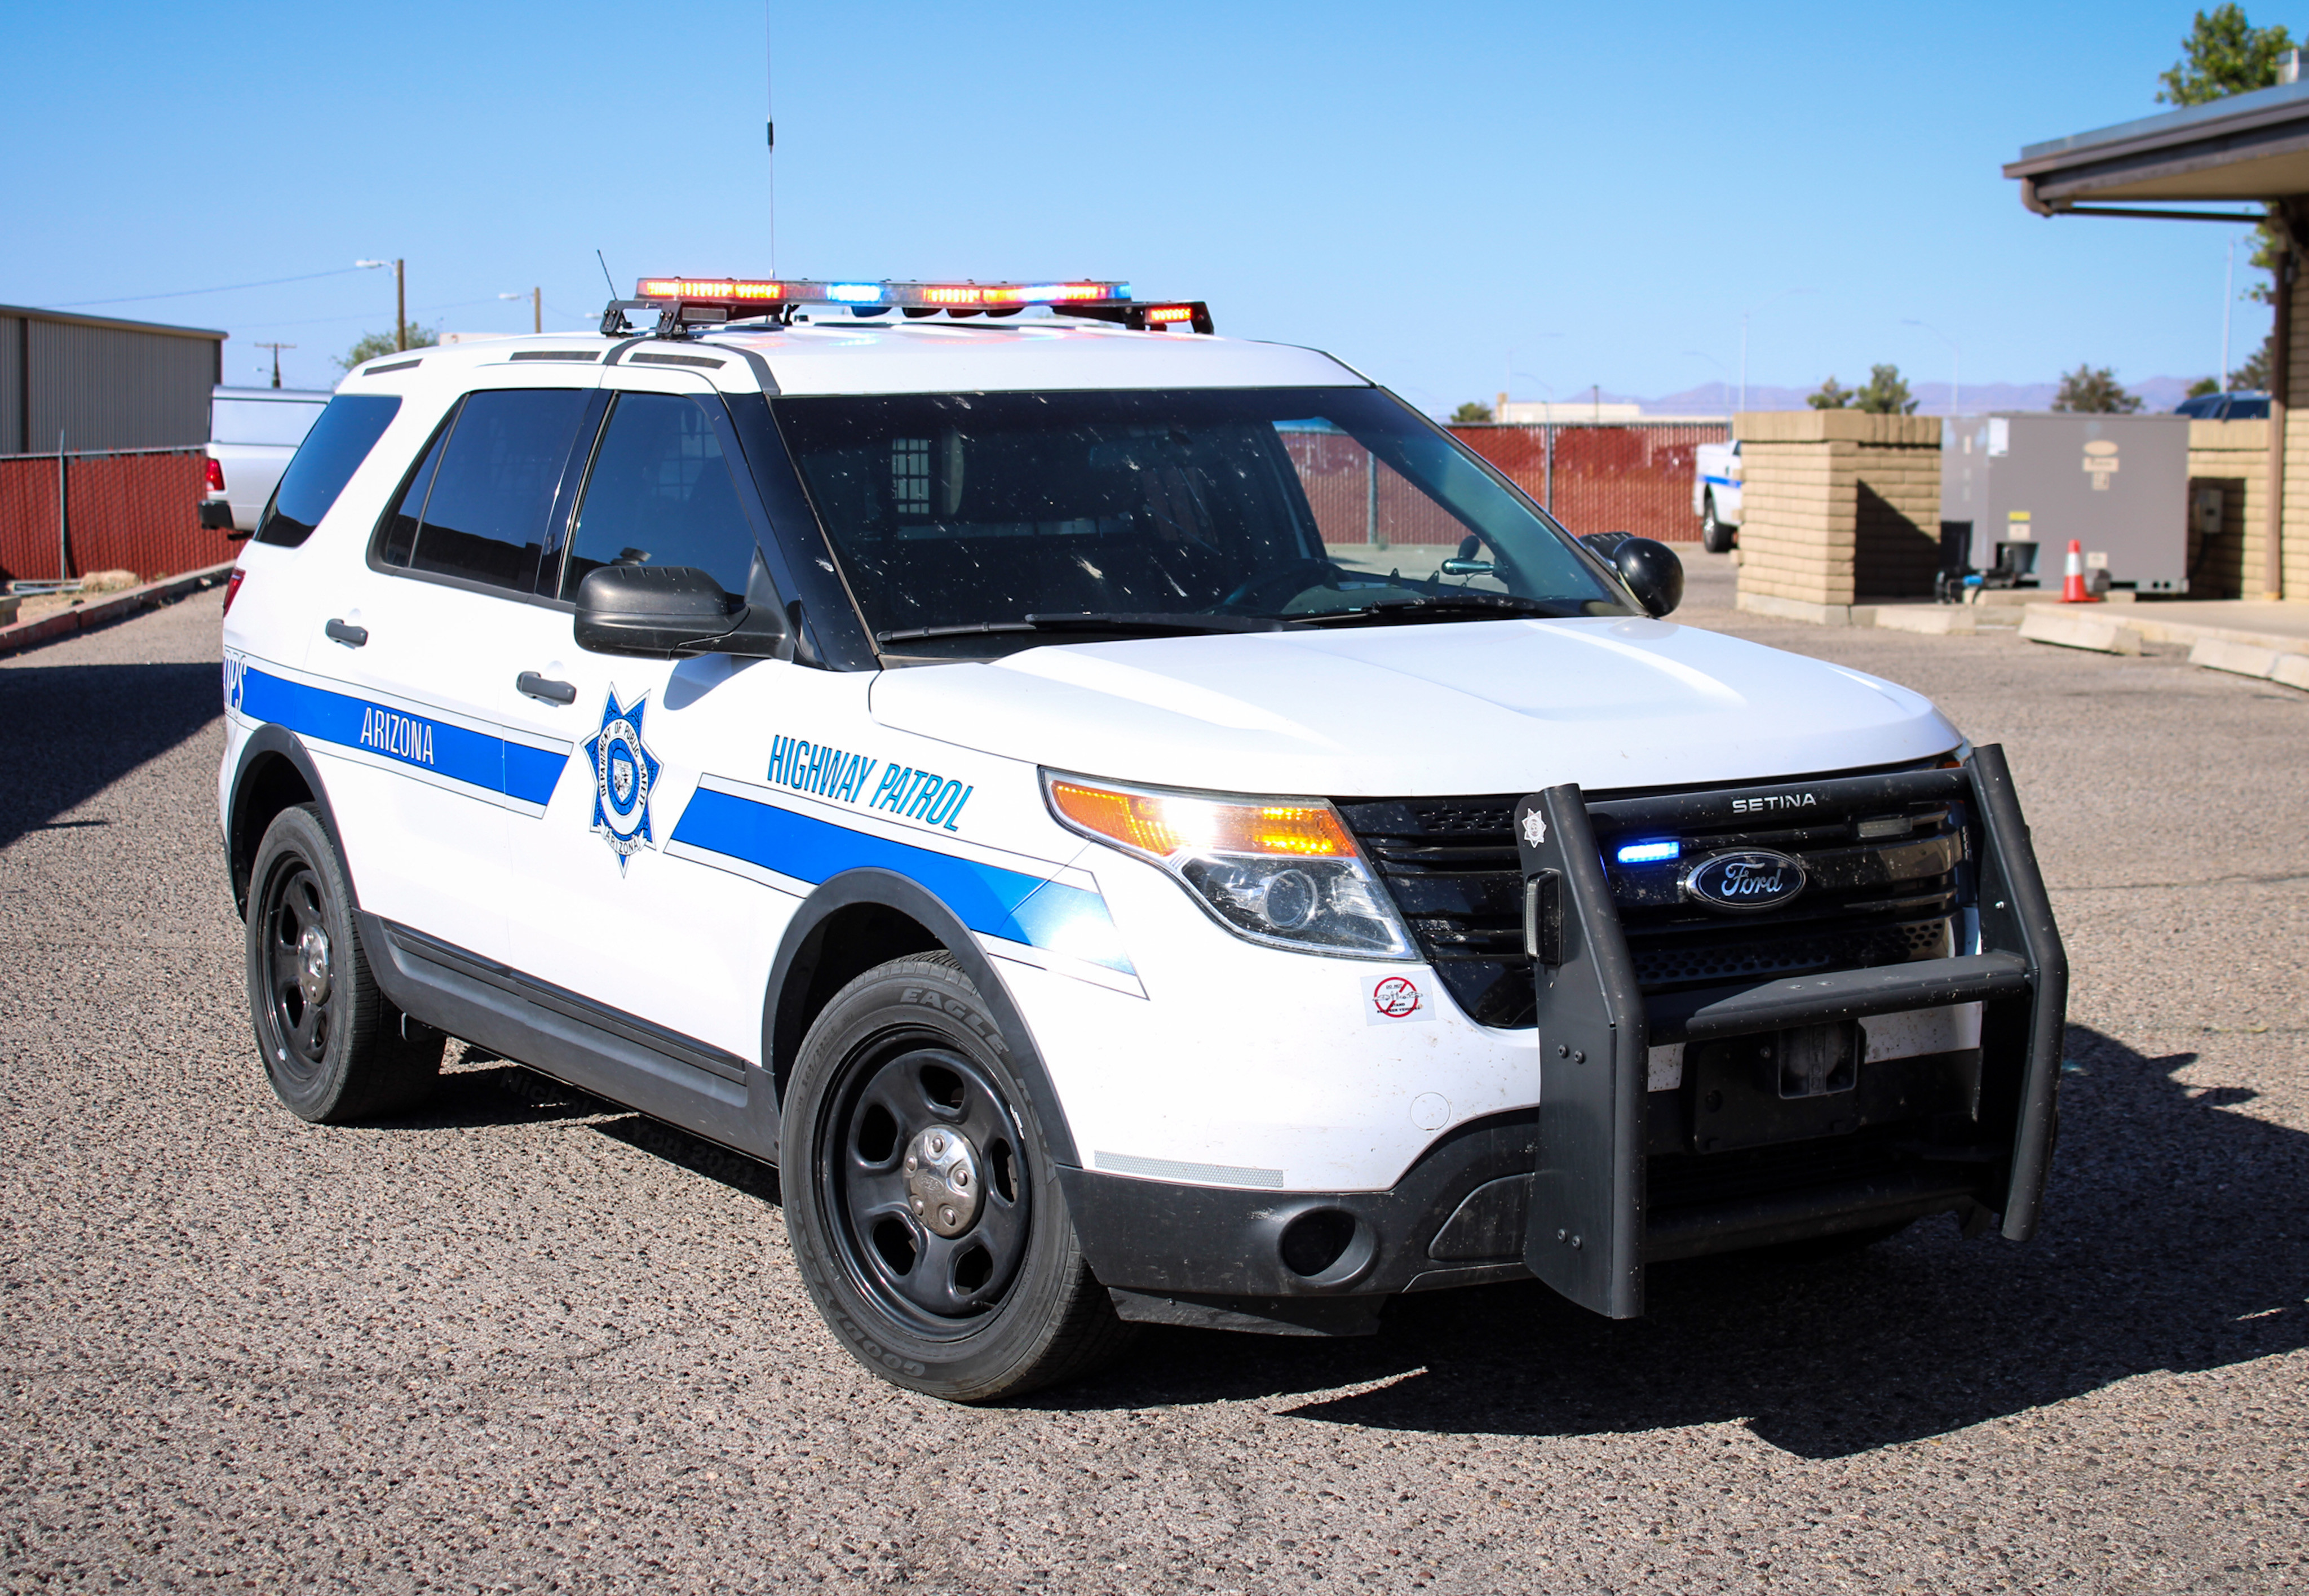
(351, 636)
(545, 688)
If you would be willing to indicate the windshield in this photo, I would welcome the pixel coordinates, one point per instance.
(974, 523)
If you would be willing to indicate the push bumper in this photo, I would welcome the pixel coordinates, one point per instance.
(1607, 1176)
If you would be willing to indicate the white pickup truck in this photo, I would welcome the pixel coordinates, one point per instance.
(1715, 496)
(253, 432)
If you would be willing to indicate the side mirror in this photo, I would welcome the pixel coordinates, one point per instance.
(1653, 573)
(671, 612)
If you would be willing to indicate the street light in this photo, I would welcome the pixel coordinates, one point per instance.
(400, 300)
(536, 298)
(1744, 315)
(1956, 356)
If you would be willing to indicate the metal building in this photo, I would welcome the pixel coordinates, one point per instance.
(102, 383)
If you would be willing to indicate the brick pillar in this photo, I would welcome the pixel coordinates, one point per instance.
(1837, 507)
(2233, 457)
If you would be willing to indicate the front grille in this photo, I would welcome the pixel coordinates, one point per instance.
(1452, 867)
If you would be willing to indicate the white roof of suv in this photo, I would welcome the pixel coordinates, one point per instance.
(862, 357)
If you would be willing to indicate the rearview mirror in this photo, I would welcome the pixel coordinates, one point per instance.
(672, 612)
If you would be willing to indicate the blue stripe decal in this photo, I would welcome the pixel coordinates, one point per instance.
(476, 758)
(1720, 481)
(986, 898)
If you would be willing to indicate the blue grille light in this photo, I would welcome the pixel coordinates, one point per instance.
(1651, 853)
(854, 293)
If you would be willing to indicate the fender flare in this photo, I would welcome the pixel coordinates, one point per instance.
(271, 741)
(782, 1029)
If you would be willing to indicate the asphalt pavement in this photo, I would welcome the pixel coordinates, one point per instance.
(527, 1341)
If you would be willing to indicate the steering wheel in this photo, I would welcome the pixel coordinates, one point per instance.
(1259, 589)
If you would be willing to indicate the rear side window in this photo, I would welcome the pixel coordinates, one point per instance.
(661, 494)
(331, 453)
(477, 506)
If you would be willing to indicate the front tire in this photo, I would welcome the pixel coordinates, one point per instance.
(922, 1200)
(1715, 536)
(331, 1045)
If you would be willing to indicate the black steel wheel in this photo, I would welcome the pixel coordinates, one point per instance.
(331, 1045)
(927, 1183)
(922, 1201)
(1715, 537)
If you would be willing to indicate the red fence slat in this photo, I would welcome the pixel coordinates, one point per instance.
(136, 512)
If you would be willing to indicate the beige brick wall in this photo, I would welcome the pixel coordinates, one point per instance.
(1838, 506)
(2293, 521)
(2233, 457)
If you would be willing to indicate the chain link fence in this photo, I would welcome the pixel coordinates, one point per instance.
(65, 515)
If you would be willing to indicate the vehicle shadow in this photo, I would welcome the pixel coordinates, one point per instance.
(72, 730)
(2172, 1240)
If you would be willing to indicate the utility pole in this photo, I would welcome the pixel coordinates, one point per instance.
(537, 310)
(276, 348)
(2228, 297)
(400, 307)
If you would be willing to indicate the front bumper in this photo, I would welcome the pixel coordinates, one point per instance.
(1606, 1176)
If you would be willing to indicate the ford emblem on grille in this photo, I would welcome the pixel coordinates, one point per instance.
(1746, 879)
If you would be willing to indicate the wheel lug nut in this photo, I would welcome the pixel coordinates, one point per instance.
(962, 1176)
(913, 1163)
(918, 1204)
(945, 1215)
(937, 1145)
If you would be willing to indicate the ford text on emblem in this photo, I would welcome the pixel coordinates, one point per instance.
(1748, 878)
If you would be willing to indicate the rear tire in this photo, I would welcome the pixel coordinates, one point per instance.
(922, 1200)
(330, 1043)
(1715, 536)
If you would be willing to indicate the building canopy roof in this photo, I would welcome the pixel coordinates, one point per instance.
(2247, 147)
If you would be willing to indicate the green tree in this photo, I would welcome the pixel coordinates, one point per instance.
(1469, 413)
(1829, 395)
(1886, 395)
(2202, 386)
(373, 344)
(2095, 391)
(2225, 54)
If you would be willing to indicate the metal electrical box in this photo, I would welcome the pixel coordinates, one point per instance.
(2015, 488)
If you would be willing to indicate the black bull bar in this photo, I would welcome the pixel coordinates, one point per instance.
(1588, 1231)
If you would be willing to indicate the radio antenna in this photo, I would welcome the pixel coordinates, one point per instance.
(770, 128)
(605, 275)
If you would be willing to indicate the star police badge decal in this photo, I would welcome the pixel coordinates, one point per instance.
(624, 773)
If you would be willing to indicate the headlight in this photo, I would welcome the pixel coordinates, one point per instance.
(1281, 871)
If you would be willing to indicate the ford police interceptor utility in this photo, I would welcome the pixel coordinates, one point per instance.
(949, 740)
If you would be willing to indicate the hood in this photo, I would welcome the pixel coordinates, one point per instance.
(1471, 707)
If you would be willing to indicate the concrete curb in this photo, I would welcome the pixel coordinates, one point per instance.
(1933, 620)
(1810, 614)
(68, 622)
(2070, 629)
(2144, 618)
(2244, 658)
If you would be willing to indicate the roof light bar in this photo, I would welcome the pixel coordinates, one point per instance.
(737, 291)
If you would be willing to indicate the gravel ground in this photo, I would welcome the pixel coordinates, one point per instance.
(528, 1343)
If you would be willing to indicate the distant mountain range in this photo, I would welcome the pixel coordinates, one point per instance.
(1720, 399)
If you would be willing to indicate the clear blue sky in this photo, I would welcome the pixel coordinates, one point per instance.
(1597, 191)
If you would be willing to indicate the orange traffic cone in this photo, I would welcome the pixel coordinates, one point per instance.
(2072, 585)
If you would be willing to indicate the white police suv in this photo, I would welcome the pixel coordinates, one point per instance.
(1135, 825)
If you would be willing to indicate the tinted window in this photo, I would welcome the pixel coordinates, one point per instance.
(492, 492)
(661, 494)
(331, 453)
(956, 511)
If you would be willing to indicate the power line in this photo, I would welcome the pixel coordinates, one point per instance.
(188, 293)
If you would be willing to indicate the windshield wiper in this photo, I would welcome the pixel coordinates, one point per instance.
(1501, 606)
(1094, 621)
